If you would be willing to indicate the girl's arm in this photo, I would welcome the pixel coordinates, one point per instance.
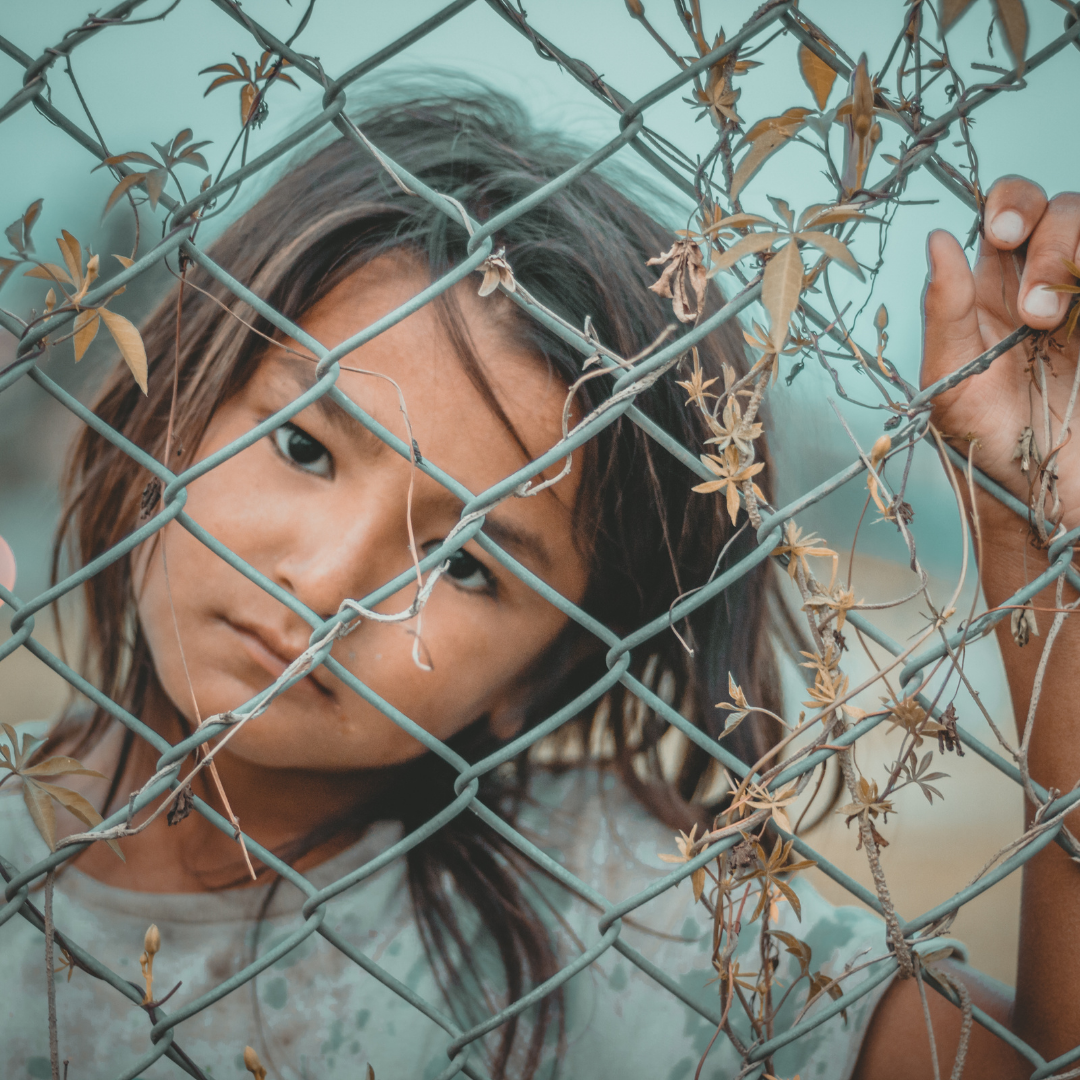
(1026, 242)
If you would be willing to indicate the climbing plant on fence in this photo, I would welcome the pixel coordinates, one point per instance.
(872, 128)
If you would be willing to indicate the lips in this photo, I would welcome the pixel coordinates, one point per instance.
(274, 655)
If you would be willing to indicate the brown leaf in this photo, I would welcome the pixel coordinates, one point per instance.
(863, 134)
(1014, 28)
(117, 193)
(60, 766)
(816, 74)
(86, 328)
(697, 880)
(789, 120)
(835, 249)
(247, 99)
(748, 245)
(49, 272)
(18, 232)
(182, 807)
(71, 250)
(831, 215)
(42, 811)
(684, 274)
(155, 185)
(760, 151)
(222, 79)
(6, 267)
(951, 10)
(129, 340)
(780, 289)
(76, 804)
(81, 807)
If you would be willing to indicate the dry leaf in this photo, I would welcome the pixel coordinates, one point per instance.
(86, 328)
(496, 271)
(816, 74)
(1012, 18)
(130, 343)
(780, 290)
(760, 151)
(1023, 625)
(748, 245)
(684, 277)
(863, 133)
(42, 811)
(951, 10)
(835, 249)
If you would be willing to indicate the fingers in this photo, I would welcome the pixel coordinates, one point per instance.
(1056, 239)
(1013, 209)
(1018, 213)
(951, 333)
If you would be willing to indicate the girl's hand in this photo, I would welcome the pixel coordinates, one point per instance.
(1026, 242)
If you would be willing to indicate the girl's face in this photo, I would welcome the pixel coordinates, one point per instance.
(319, 507)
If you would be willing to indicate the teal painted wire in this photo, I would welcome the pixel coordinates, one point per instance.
(619, 650)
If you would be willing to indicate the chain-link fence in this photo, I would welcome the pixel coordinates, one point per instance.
(720, 236)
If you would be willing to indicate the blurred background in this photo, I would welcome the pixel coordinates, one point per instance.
(141, 84)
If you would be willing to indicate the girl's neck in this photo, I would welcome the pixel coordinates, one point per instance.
(280, 808)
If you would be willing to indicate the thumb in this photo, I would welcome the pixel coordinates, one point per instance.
(951, 334)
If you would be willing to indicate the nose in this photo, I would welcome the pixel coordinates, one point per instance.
(335, 548)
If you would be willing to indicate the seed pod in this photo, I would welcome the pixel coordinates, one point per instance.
(152, 941)
(636, 8)
(880, 449)
(253, 1064)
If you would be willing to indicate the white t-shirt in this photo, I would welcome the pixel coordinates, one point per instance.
(315, 1014)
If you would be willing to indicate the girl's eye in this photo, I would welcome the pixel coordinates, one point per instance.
(298, 447)
(467, 573)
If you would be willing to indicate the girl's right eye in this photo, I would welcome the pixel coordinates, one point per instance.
(300, 449)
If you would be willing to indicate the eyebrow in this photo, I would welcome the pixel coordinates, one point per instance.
(329, 409)
(506, 535)
(523, 541)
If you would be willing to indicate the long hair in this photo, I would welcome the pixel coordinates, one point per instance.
(647, 537)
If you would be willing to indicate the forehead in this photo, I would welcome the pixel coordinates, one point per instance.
(454, 413)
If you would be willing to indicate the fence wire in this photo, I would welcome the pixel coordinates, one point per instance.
(708, 76)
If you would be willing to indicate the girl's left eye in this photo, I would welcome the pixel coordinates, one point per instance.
(465, 571)
(300, 449)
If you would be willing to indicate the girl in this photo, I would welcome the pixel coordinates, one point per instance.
(411, 951)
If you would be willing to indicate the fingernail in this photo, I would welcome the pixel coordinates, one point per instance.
(1041, 303)
(1008, 227)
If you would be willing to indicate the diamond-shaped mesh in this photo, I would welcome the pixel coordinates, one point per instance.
(626, 382)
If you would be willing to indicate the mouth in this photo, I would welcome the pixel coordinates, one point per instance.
(272, 657)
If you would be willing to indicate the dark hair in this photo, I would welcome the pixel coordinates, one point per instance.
(582, 252)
